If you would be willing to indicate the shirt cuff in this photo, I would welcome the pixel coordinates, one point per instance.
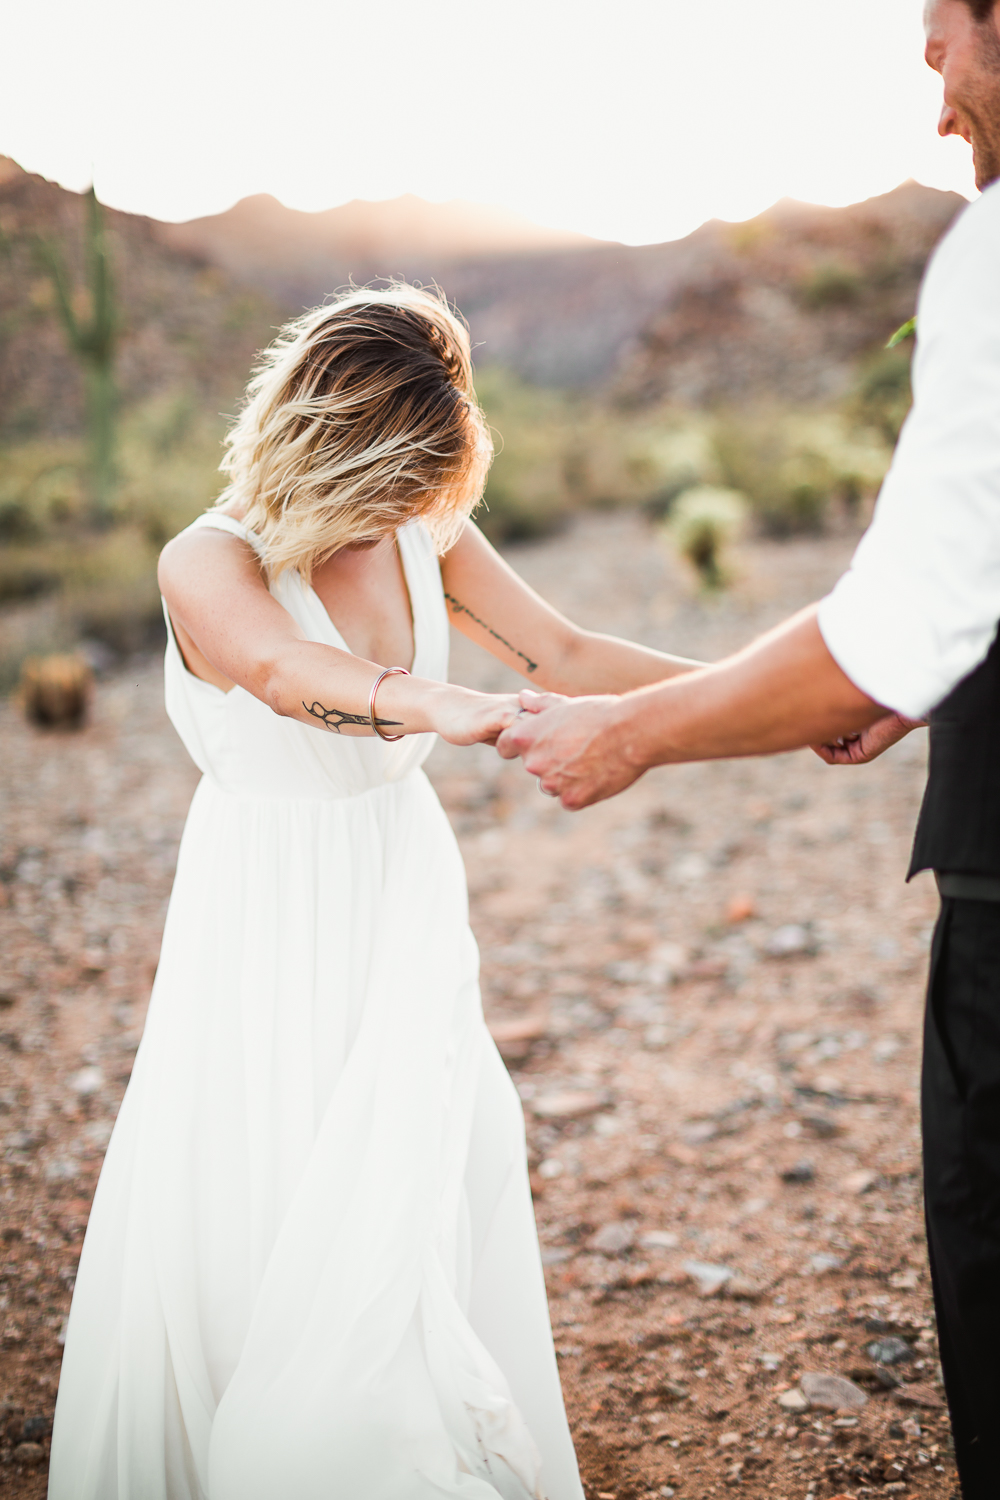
(880, 641)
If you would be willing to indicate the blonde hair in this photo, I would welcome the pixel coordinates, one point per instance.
(359, 417)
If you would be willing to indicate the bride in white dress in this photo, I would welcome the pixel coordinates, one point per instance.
(311, 1270)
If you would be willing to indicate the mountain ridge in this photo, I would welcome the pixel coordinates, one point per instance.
(261, 240)
(780, 307)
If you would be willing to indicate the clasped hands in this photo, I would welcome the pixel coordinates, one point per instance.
(581, 750)
(577, 748)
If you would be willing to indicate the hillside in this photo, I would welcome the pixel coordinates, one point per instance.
(781, 307)
(785, 305)
(184, 323)
(304, 256)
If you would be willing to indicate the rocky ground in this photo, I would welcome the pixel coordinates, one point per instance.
(709, 994)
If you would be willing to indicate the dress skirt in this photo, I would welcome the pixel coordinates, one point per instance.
(312, 1267)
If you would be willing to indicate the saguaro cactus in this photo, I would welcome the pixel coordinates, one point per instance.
(92, 335)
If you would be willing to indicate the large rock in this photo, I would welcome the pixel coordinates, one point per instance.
(790, 941)
(569, 1105)
(822, 1263)
(62, 1169)
(87, 1081)
(919, 1395)
(710, 1279)
(612, 1239)
(801, 1172)
(29, 1453)
(516, 1035)
(832, 1392)
(659, 1239)
(889, 1351)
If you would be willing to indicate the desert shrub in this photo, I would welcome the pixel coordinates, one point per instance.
(559, 453)
(167, 468)
(883, 394)
(103, 581)
(527, 494)
(830, 285)
(17, 523)
(671, 457)
(788, 485)
(123, 614)
(39, 491)
(536, 474)
(40, 487)
(855, 458)
(790, 464)
(169, 458)
(109, 591)
(27, 572)
(165, 422)
(703, 523)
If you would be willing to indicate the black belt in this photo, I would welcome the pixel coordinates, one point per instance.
(968, 887)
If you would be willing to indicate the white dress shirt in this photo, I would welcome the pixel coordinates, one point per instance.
(919, 607)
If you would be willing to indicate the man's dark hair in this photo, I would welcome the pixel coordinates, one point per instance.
(981, 9)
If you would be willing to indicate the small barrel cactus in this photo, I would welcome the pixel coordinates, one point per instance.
(55, 691)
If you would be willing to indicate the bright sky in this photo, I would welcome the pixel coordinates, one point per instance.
(633, 120)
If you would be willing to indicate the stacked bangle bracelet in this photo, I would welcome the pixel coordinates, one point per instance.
(389, 672)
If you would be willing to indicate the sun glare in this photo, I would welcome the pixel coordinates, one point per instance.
(632, 122)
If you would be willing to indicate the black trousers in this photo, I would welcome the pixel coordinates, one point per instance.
(961, 1129)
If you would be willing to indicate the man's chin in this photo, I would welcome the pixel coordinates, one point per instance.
(986, 164)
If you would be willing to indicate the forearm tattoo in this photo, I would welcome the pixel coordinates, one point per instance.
(336, 719)
(458, 608)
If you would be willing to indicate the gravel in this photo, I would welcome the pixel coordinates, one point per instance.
(580, 922)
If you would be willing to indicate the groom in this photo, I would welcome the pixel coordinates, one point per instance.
(910, 629)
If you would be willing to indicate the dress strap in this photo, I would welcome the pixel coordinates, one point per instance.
(216, 521)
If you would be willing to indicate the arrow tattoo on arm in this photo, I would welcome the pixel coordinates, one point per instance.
(461, 609)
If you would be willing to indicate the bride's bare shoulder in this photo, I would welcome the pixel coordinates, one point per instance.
(206, 556)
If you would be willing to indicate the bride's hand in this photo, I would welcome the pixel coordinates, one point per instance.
(463, 717)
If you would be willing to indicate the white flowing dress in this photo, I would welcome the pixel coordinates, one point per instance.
(311, 1270)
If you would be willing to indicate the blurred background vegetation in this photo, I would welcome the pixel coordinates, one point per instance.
(119, 357)
(557, 454)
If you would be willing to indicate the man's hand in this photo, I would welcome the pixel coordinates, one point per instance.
(573, 745)
(869, 744)
(783, 692)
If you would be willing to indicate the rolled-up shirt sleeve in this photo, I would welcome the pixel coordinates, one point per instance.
(919, 607)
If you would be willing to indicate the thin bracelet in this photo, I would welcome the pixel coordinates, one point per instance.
(389, 672)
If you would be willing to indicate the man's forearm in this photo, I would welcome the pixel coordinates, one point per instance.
(783, 692)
